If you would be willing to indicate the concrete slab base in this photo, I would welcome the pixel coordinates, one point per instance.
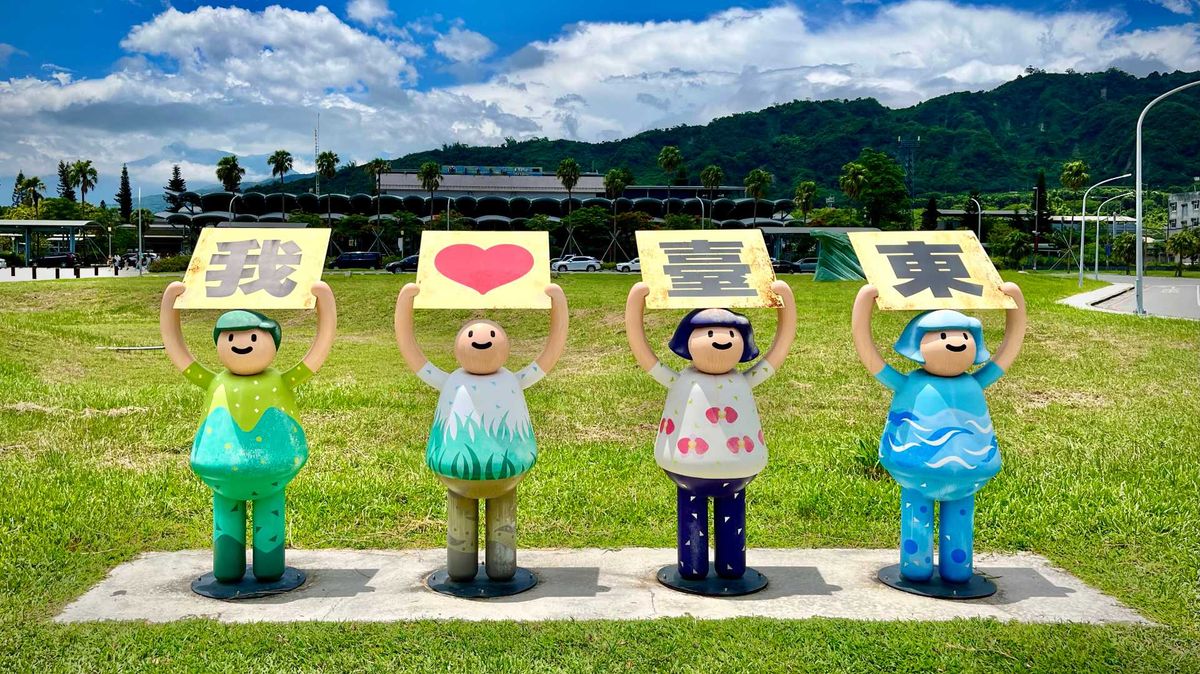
(587, 584)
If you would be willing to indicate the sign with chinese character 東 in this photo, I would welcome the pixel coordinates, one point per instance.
(483, 270)
(689, 269)
(929, 270)
(253, 268)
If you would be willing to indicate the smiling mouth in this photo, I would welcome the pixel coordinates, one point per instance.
(241, 351)
(956, 349)
(485, 345)
(722, 346)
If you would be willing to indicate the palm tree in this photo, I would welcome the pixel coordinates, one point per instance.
(1074, 175)
(84, 175)
(280, 163)
(31, 190)
(757, 182)
(230, 173)
(669, 160)
(376, 168)
(711, 177)
(568, 174)
(806, 192)
(1183, 244)
(327, 163)
(614, 185)
(430, 175)
(853, 180)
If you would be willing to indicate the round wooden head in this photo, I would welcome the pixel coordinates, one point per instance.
(246, 352)
(715, 349)
(949, 352)
(481, 347)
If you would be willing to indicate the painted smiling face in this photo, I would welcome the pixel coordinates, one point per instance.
(948, 353)
(716, 350)
(246, 352)
(481, 347)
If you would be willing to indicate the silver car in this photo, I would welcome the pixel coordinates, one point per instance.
(578, 263)
(633, 265)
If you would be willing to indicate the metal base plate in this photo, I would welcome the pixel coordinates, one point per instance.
(248, 587)
(977, 587)
(481, 587)
(714, 585)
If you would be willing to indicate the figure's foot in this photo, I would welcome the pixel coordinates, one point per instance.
(712, 585)
(937, 586)
(248, 586)
(480, 586)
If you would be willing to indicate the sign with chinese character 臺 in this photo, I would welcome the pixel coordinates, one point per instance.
(719, 268)
(483, 270)
(252, 268)
(929, 270)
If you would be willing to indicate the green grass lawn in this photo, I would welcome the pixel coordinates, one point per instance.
(1099, 422)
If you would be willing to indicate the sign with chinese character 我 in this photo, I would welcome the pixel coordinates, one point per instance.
(929, 270)
(689, 269)
(483, 270)
(252, 268)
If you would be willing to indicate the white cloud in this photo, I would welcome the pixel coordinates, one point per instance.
(1178, 6)
(6, 51)
(250, 82)
(368, 12)
(463, 46)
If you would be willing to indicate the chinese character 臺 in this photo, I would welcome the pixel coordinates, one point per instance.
(269, 269)
(700, 268)
(935, 267)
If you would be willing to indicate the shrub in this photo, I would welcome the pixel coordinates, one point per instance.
(175, 263)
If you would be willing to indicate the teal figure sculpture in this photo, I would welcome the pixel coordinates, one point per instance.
(939, 442)
(250, 443)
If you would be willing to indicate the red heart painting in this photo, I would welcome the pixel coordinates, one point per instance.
(482, 269)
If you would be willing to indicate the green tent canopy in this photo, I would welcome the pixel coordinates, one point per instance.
(836, 260)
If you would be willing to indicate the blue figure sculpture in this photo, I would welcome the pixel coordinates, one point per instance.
(939, 442)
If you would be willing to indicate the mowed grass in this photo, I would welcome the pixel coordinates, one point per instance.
(1099, 424)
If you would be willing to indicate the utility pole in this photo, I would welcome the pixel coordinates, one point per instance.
(908, 160)
(317, 151)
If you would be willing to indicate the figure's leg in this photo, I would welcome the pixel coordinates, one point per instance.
(229, 539)
(269, 533)
(500, 557)
(916, 535)
(462, 537)
(692, 537)
(956, 527)
(729, 533)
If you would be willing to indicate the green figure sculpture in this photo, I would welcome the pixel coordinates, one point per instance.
(250, 444)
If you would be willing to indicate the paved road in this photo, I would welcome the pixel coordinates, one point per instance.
(1162, 296)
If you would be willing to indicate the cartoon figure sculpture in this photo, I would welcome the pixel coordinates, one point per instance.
(710, 441)
(939, 443)
(481, 444)
(250, 443)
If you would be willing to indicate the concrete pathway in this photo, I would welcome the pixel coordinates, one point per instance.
(583, 584)
(1161, 295)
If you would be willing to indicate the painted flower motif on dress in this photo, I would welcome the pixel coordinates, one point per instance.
(697, 445)
(665, 425)
(717, 414)
(736, 444)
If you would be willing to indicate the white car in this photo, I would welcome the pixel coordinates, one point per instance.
(578, 263)
(633, 265)
(3, 263)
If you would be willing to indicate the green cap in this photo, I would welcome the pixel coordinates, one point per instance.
(243, 319)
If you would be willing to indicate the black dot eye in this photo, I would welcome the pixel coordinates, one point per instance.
(731, 334)
(710, 333)
(253, 337)
(470, 333)
(965, 336)
(493, 333)
(943, 335)
(231, 336)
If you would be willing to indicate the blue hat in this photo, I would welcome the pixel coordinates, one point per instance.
(909, 343)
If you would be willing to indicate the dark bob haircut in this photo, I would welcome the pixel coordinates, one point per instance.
(713, 318)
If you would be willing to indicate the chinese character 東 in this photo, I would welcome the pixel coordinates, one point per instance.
(935, 267)
(267, 270)
(701, 268)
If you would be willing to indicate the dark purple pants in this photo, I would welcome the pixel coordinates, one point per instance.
(729, 525)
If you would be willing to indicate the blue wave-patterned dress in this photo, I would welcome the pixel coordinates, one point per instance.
(939, 438)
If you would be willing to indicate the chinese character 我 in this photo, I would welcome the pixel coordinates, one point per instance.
(935, 267)
(701, 268)
(268, 269)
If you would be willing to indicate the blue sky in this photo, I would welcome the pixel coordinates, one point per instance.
(154, 83)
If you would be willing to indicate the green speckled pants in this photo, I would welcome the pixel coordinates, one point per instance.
(229, 538)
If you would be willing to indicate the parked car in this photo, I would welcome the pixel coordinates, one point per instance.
(633, 265)
(554, 262)
(129, 259)
(806, 266)
(3, 263)
(782, 266)
(578, 263)
(407, 264)
(57, 260)
(358, 260)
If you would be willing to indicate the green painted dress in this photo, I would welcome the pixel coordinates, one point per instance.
(250, 444)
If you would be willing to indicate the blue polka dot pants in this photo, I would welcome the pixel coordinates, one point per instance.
(955, 543)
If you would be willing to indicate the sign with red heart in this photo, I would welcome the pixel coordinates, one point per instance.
(483, 270)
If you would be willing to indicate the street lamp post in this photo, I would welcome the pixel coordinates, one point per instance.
(978, 218)
(1083, 220)
(1037, 215)
(1141, 310)
(1096, 270)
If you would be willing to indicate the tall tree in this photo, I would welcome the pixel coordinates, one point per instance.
(16, 193)
(85, 177)
(670, 159)
(929, 216)
(711, 177)
(876, 182)
(32, 191)
(376, 168)
(1074, 175)
(230, 173)
(757, 182)
(174, 187)
(430, 175)
(66, 184)
(327, 163)
(280, 162)
(806, 192)
(1185, 243)
(614, 187)
(568, 174)
(853, 180)
(124, 196)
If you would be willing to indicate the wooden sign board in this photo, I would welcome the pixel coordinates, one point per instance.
(929, 270)
(483, 270)
(254, 268)
(706, 268)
